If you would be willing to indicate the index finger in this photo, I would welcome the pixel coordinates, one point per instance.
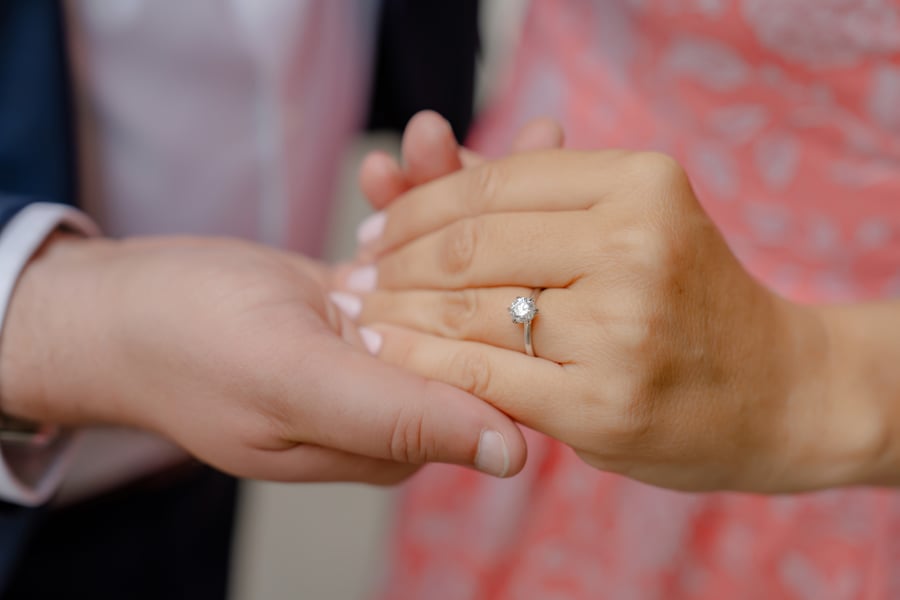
(536, 181)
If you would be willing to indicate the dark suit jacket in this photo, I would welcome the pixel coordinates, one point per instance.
(426, 60)
(36, 158)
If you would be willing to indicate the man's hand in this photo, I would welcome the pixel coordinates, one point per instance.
(233, 351)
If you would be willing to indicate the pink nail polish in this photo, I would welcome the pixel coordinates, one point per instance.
(349, 304)
(363, 279)
(372, 340)
(371, 228)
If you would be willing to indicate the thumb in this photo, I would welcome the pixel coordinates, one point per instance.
(370, 408)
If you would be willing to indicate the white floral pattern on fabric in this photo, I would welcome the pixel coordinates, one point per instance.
(786, 115)
(825, 33)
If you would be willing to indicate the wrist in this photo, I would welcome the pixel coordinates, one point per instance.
(841, 432)
(50, 332)
(865, 388)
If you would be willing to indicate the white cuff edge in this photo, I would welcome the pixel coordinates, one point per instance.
(19, 240)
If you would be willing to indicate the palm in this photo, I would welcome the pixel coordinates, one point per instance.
(233, 351)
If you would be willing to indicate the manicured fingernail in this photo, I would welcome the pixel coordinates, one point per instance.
(371, 228)
(349, 304)
(493, 455)
(362, 279)
(372, 340)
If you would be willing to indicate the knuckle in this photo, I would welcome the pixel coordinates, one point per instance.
(655, 256)
(625, 338)
(653, 249)
(633, 422)
(460, 308)
(630, 256)
(403, 351)
(660, 175)
(647, 371)
(409, 441)
(617, 422)
(457, 253)
(658, 166)
(637, 331)
(643, 326)
(664, 263)
(261, 429)
(639, 241)
(471, 372)
(489, 178)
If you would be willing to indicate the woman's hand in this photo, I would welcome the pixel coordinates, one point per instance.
(658, 356)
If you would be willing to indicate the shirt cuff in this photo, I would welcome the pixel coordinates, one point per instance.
(29, 476)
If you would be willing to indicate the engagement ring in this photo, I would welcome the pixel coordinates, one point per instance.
(523, 310)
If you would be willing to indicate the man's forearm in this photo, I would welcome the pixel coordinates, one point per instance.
(49, 336)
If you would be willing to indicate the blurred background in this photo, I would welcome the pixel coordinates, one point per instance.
(326, 541)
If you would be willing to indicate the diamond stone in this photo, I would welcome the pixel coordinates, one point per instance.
(522, 310)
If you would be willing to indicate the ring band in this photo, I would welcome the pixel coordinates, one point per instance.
(523, 310)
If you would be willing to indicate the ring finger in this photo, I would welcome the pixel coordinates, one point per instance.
(478, 315)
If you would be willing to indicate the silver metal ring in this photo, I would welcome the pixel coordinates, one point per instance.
(523, 310)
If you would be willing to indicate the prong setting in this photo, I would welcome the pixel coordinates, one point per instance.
(523, 310)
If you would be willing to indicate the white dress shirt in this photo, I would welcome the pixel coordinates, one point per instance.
(224, 117)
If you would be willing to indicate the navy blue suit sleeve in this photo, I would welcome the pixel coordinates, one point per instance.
(11, 205)
(36, 157)
(36, 135)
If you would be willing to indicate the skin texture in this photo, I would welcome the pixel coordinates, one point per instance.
(234, 351)
(430, 151)
(659, 357)
(231, 350)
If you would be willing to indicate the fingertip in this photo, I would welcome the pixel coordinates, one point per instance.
(349, 304)
(427, 126)
(371, 229)
(511, 459)
(433, 421)
(475, 433)
(371, 339)
(468, 158)
(541, 133)
(381, 179)
(429, 148)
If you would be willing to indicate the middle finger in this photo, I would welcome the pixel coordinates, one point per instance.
(513, 249)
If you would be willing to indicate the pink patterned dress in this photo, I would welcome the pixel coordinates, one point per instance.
(786, 114)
